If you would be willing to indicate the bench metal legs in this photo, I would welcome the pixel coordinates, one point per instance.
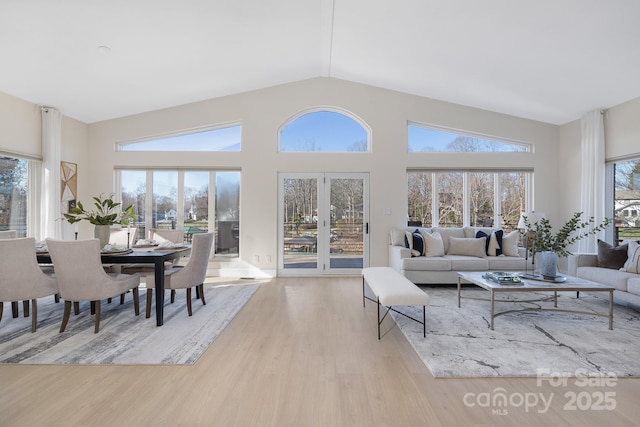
(390, 308)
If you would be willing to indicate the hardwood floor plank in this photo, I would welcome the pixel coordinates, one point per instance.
(302, 352)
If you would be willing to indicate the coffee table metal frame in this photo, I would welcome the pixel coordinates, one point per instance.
(572, 284)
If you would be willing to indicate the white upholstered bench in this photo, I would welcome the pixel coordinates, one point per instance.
(392, 289)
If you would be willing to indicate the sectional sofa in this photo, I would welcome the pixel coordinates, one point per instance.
(615, 266)
(435, 255)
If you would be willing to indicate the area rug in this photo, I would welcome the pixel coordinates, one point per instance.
(123, 339)
(459, 342)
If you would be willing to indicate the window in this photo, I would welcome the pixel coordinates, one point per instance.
(326, 132)
(423, 139)
(183, 199)
(626, 199)
(467, 198)
(219, 139)
(18, 186)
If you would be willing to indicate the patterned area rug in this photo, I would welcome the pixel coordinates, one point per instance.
(459, 342)
(124, 339)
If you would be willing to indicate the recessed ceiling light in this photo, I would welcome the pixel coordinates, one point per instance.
(105, 50)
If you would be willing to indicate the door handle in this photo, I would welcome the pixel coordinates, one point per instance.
(367, 227)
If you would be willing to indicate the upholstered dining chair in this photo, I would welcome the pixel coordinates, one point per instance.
(21, 278)
(192, 275)
(81, 277)
(122, 236)
(167, 235)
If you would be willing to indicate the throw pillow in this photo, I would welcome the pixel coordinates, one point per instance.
(510, 244)
(469, 247)
(494, 242)
(413, 242)
(433, 244)
(610, 256)
(633, 258)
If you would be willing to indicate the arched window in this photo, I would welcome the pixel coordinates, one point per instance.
(324, 131)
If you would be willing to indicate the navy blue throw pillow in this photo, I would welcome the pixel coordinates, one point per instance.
(498, 234)
(418, 241)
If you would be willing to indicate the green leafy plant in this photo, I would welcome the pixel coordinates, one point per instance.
(106, 212)
(543, 239)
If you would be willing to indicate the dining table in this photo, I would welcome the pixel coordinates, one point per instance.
(157, 257)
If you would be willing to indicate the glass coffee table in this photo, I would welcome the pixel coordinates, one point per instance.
(571, 284)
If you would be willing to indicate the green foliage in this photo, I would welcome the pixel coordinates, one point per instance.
(106, 212)
(543, 239)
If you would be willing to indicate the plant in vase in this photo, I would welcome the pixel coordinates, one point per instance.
(553, 245)
(106, 213)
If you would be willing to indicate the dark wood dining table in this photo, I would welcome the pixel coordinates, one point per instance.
(151, 256)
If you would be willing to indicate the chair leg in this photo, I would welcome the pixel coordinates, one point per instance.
(1, 309)
(189, 301)
(14, 309)
(201, 287)
(173, 296)
(149, 299)
(34, 314)
(121, 299)
(93, 307)
(66, 314)
(97, 310)
(56, 298)
(76, 308)
(136, 301)
(25, 308)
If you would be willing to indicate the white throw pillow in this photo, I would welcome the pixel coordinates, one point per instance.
(510, 244)
(470, 247)
(433, 244)
(632, 265)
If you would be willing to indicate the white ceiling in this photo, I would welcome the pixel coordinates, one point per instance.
(547, 60)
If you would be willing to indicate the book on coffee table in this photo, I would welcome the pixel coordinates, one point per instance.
(503, 278)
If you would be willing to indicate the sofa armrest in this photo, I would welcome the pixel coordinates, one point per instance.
(581, 260)
(396, 253)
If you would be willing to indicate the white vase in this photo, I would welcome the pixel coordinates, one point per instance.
(102, 232)
(549, 264)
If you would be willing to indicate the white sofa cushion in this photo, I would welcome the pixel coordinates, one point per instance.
(433, 244)
(632, 265)
(468, 263)
(606, 276)
(426, 264)
(469, 247)
(447, 232)
(510, 244)
(507, 263)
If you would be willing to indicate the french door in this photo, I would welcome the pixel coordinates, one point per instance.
(323, 223)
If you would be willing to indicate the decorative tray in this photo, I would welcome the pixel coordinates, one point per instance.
(171, 248)
(114, 252)
(541, 278)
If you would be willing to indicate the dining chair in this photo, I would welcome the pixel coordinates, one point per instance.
(192, 275)
(21, 278)
(81, 277)
(123, 236)
(173, 235)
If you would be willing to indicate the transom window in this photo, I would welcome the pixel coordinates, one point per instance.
(324, 131)
(219, 139)
(425, 139)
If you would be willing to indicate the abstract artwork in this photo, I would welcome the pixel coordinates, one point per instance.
(68, 185)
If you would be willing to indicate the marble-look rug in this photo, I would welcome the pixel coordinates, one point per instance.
(123, 339)
(459, 342)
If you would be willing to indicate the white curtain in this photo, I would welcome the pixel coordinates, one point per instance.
(50, 214)
(593, 175)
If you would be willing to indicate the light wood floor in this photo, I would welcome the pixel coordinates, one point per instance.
(302, 352)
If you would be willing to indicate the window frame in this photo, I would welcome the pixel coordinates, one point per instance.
(120, 146)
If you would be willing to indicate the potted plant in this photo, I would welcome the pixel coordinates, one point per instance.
(553, 245)
(106, 213)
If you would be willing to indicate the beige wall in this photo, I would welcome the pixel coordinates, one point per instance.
(263, 112)
(556, 157)
(19, 127)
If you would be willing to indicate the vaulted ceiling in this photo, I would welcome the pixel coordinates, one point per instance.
(546, 60)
